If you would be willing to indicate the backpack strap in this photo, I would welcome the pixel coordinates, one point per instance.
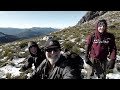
(92, 39)
(88, 47)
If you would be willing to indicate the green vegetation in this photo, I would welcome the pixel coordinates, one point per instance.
(109, 71)
(8, 53)
(8, 75)
(23, 44)
(117, 37)
(76, 49)
(68, 45)
(21, 76)
(80, 33)
(3, 63)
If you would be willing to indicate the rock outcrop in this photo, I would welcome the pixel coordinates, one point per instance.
(90, 15)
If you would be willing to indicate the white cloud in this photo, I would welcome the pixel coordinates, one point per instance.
(2, 12)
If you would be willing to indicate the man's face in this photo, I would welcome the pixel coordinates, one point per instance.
(101, 27)
(33, 50)
(52, 54)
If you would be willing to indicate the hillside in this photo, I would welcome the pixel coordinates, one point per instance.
(90, 15)
(79, 33)
(73, 38)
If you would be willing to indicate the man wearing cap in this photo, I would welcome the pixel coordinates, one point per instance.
(55, 66)
(36, 56)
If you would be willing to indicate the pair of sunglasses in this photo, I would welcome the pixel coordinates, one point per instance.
(52, 49)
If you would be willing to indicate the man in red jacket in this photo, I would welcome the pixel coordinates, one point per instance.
(100, 44)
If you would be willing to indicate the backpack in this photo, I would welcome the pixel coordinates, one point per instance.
(74, 58)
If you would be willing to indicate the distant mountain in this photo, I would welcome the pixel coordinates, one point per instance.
(4, 38)
(29, 34)
(14, 31)
(11, 31)
(35, 32)
(2, 34)
(44, 30)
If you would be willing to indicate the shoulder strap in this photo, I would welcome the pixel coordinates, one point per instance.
(92, 39)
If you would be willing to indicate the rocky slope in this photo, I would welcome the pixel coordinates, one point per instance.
(73, 38)
(90, 15)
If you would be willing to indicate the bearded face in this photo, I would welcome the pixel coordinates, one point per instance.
(52, 55)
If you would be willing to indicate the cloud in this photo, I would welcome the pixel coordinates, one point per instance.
(2, 12)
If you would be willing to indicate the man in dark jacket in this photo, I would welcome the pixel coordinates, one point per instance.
(56, 66)
(36, 56)
(99, 46)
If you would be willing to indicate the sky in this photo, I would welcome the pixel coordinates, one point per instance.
(29, 19)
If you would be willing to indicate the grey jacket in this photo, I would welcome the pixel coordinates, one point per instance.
(63, 69)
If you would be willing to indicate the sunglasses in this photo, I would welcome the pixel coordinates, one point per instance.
(52, 49)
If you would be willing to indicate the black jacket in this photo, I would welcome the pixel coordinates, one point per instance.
(63, 69)
(74, 57)
(34, 59)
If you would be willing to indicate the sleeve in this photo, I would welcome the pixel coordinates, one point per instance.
(28, 64)
(88, 45)
(37, 73)
(71, 73)
(113, 49)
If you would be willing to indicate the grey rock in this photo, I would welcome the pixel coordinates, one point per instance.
(90, 15)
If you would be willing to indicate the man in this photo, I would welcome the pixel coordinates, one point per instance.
(36, 56)
(56, 66)
(99, 46)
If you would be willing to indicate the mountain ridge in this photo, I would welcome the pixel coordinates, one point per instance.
(16, 33)
(4, 38)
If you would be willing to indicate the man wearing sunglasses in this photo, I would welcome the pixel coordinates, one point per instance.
(36, 56)
(55, 66)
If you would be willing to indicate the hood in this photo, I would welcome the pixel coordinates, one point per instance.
(97, 34)
(30, 44)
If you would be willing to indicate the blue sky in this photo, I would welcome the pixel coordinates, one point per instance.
(28, 19)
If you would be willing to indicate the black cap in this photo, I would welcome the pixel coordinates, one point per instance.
(52, 44)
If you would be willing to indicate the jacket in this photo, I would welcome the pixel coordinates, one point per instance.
(63, 69)
(102, 45)
(34, 59)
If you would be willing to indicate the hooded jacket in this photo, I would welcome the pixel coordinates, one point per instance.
(63, 69)
(102, 45)
(34, 59)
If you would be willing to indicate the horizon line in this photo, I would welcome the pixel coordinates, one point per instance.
(34, 27)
